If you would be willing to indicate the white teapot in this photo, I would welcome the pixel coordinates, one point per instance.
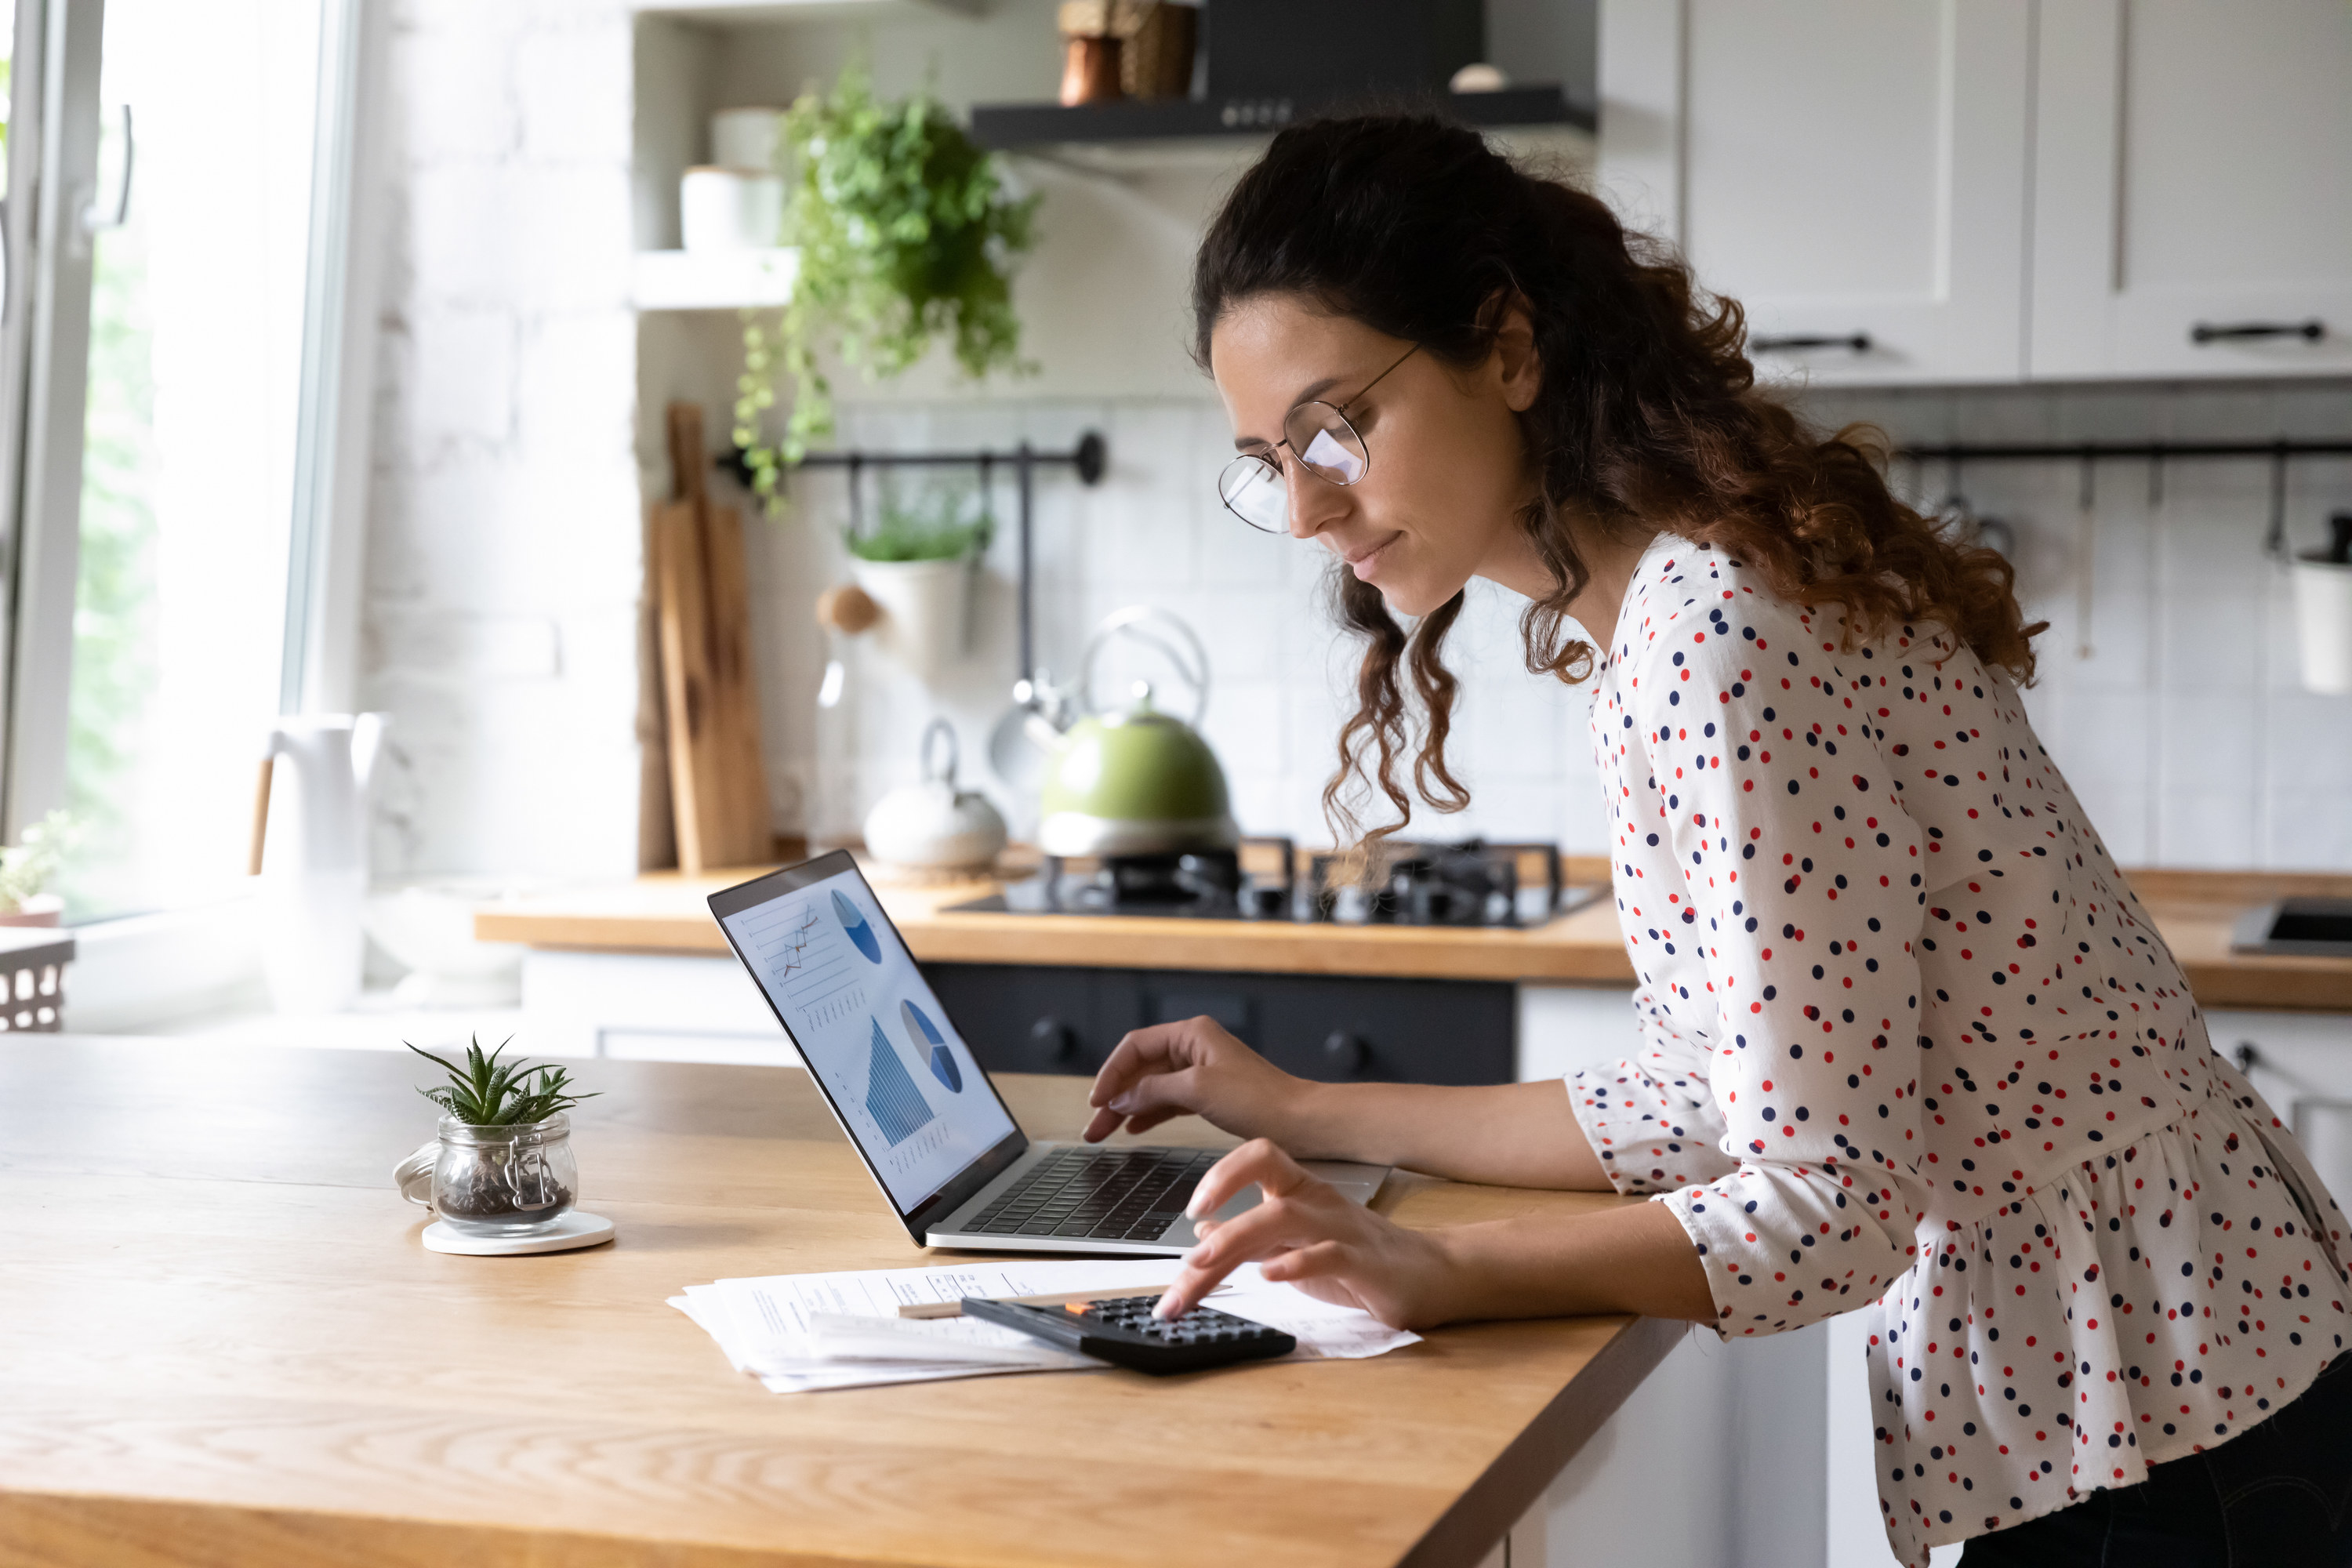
(932, 825)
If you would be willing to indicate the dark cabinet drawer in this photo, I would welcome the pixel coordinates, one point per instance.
(1336, 1029)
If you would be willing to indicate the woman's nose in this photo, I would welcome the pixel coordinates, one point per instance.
(1314, 505)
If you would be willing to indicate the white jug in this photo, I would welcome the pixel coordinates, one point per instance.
(314, 877)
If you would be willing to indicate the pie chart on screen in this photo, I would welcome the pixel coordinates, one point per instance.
(861, 935)
(924, 1035)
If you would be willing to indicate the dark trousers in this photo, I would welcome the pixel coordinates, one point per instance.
(2278, 1495)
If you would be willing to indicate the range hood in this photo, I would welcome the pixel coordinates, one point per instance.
(1264, 64)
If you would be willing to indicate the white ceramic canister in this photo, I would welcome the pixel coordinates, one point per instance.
(2323, 619)
(746, 138)
(730, 209)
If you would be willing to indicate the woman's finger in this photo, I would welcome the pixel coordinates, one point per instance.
(1271, 1229)
(1143, 1052)
(1259, 1160)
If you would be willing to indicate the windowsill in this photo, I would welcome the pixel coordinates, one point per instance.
(376, 1022)
(139, 971)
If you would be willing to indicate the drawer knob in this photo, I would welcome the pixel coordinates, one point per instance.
(1346, 1054)
(1053, 1040)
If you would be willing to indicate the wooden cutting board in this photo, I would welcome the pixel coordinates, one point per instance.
(718, 779)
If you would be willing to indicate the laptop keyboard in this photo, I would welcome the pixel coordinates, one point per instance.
(1100, 1195)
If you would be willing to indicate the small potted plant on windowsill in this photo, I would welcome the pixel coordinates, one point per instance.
(501, 1175)
(25, 870)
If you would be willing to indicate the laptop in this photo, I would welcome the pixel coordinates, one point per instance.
(955, 1167)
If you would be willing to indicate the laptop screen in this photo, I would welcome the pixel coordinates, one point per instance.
(900, 1079)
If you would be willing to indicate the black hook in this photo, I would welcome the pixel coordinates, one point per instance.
(2275, 542)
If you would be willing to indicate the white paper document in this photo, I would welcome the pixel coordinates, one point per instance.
(800, 1332)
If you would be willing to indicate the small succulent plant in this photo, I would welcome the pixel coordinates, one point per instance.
(486, 1093)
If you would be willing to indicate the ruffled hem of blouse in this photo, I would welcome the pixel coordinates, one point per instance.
(2134, 1308)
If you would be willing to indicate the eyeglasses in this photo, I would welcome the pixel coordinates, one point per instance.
(1326, 445)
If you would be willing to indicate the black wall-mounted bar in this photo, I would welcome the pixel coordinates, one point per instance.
(2155, 454)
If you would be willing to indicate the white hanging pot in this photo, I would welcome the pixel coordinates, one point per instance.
(926, 607)
(2323, 618)
(933, 826)
(2323, 611)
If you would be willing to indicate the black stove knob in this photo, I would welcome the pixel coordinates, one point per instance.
(1345, 1054)
(1051, 1043)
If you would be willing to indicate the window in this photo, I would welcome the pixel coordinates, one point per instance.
(169, 351)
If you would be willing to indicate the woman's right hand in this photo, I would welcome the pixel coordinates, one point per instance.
(1194, 1066)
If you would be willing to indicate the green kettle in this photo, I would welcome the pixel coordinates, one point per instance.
(1137, 781)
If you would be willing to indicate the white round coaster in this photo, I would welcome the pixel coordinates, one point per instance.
(573, 1230)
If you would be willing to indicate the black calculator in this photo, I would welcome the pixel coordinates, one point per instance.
(1122, 1331)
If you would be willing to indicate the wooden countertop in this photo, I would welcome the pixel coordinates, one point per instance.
(664, 912)
(225, 1344)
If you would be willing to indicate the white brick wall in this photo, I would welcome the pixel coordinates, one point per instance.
(499, 622)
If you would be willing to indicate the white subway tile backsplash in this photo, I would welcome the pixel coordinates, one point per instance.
(2177, 730)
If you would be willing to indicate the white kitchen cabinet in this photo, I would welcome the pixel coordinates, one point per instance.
(2192, 168)
(670, 1007)
(1854, 172)
(2302, 1064)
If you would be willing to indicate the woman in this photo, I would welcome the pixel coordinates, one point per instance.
(1911, 1047)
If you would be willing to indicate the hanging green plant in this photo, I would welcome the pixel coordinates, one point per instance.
(906, 235)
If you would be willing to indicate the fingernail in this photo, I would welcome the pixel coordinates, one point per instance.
(1123, 1104)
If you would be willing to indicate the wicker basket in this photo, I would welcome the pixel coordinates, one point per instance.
(1157, 39)
(33, 979)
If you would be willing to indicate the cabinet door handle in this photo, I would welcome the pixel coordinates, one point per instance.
(1858, 342)
(2310, 331)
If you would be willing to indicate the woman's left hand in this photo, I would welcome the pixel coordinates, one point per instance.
(1305, 1234)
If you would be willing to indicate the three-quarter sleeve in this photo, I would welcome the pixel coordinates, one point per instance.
(1650, 1117)
(1802, 888)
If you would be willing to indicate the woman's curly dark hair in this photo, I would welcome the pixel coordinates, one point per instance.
(1648, 418)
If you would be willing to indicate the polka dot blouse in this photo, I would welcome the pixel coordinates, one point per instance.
(1913, 1049)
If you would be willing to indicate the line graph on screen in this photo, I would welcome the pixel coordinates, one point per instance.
(805, 961)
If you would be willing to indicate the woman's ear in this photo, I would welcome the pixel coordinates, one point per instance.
(1516, 362)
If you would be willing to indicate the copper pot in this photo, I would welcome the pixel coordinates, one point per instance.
(1090, 71)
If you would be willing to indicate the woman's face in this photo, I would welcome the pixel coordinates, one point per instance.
(1449, 472)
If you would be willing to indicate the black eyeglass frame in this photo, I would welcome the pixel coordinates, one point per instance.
(1339, 412)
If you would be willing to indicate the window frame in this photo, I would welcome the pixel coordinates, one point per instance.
(47, 251)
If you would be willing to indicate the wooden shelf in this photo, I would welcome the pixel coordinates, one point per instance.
(713, 280)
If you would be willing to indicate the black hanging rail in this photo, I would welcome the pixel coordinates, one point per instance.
(1089, 458)
(2096, 451)
(2279, 450)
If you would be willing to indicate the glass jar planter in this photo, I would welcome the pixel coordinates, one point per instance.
(496, 1180)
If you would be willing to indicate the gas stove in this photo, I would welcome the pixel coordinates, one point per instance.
(1473, 883)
